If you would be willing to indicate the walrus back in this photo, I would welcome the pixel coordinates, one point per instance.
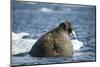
(36, 49)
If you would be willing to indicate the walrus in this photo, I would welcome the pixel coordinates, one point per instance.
(56, 42)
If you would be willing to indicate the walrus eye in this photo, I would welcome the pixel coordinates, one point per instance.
(63, 26)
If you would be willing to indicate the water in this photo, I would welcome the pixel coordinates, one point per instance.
(36, 19)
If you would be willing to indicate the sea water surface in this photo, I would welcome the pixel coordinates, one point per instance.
(36, 19)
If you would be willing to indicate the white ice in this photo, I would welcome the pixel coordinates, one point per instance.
(76, 44)
(19, 44)
(17, 36)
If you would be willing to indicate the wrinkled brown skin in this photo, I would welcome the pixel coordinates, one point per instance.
(55, 42)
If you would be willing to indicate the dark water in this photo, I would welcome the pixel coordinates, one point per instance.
(38, 18)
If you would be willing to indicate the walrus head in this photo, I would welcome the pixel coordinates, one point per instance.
(66, 26)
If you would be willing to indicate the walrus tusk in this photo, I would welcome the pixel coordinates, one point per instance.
(73, 32)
